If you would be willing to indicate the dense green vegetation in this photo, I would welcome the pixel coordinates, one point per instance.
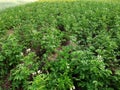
(60, 46)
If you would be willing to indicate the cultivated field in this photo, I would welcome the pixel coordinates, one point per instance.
(61, 45)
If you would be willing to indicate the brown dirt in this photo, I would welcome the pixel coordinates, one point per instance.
(10, 31)
(6, 83)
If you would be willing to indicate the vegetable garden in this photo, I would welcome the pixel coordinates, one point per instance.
(60, 46)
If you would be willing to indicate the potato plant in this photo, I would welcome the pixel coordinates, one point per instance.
(60, 46)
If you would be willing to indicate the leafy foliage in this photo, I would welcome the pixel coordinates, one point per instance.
(60, 46)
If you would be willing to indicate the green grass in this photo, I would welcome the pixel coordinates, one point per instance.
(60, 45)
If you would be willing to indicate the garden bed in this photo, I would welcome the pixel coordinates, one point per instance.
(60, 46)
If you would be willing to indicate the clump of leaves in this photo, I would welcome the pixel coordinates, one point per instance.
(22, 74)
